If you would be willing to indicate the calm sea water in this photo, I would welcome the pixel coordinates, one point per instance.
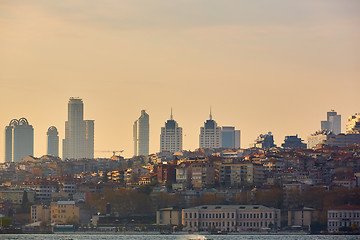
(172, 237)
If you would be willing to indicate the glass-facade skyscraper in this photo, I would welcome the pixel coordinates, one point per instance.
(19, 140)
(52, 141)
(79, 134)
(230, 138)
(332, 123)
(141, 135)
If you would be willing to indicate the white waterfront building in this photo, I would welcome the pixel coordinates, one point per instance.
(343, 217)
(230, 218)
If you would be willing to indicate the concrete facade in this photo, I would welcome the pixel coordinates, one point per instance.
(171, 137)
(345, 216)
(230, 218)
(210, 135)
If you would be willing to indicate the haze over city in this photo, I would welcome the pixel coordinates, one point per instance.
(262, 66)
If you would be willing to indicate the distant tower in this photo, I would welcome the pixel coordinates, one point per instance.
(19, 140)
(210, 134)
(230, 138)
(332, 123)
(53, 141)
(171, 136)
(79, 134)
(141, 135)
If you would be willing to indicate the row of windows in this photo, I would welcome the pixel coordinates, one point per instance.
(343, 224)
(344, 214)
(230, 215)
(228, 224)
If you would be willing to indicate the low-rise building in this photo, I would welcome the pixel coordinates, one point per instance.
(16, 196)
(64, 212)
(300, 217)
(168, 216)
(230, 218)
(318, 137)
(40, 213)
(343, 217)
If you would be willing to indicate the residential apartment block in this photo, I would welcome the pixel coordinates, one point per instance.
(241, 174)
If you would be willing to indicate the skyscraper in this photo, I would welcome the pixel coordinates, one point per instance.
(19, 140)
(79, 134)
(230, 138)
(53, 141)
(210, 134)
(333, 122)
(141, 135)
(171, 136)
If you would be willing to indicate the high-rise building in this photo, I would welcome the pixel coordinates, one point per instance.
(79, 134)
(53, 141)
(353, 124)
(171, 136)
(141, 135)
(230, 138)
(210, 134)
(332, 123)
(19, 140)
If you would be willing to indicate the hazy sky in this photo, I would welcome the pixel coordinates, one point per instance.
(262, 65)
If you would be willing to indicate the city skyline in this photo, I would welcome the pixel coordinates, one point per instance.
(263, 66)
(278, 143)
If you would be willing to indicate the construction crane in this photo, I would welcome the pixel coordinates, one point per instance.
(113, 151)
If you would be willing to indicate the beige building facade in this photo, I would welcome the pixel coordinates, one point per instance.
(64, 212)
(168, 216)
(230, 218)
(343, 217)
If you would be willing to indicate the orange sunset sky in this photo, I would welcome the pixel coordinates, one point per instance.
(262, 65)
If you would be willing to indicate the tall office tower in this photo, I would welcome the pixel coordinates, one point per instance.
(19, 140)
(53, 141)
(210, 134)
(89, 138)
(230, 138)
(141, 135)
(79, 134)
(171, 136)
(333, 122)
(353, 124)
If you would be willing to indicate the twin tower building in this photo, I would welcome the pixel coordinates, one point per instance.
(171, 137)
(78, 142)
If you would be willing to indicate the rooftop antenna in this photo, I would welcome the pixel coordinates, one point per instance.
(210, 113)
(171, 115)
